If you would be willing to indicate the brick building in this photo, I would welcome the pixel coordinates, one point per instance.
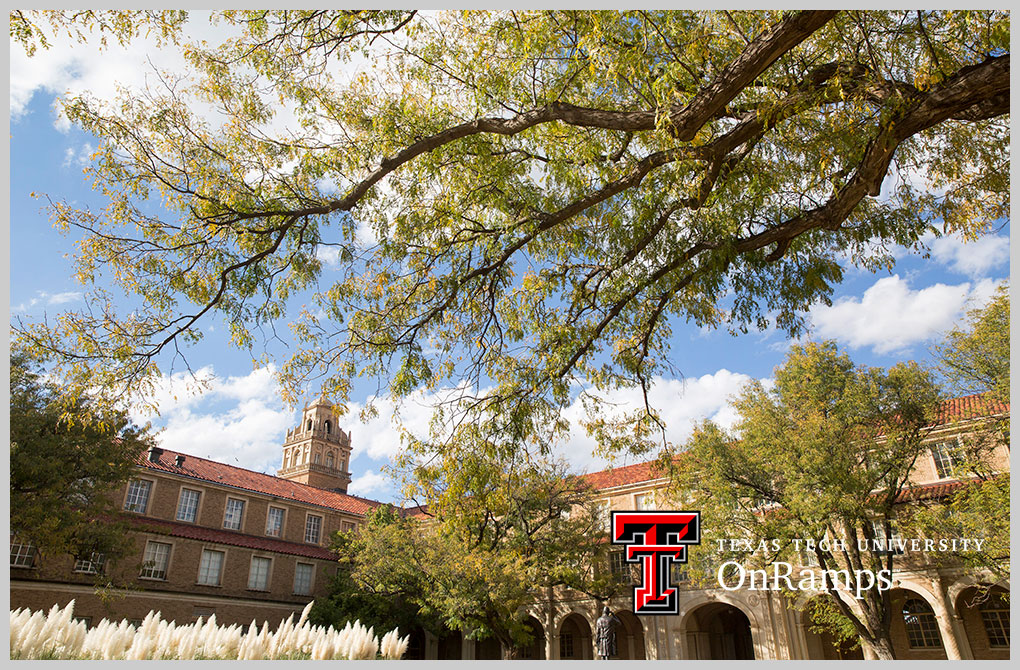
(217, 539)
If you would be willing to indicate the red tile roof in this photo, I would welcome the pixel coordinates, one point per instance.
(628, 474)
(249, 480)
(970, 407)
(189, 531)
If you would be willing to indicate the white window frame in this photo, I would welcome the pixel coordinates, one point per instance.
(205, 575)
(180, 503)
(311, 578)
(130, 506)
(253, 584)
(93, 565)
(945, 455)
(283, 520)
(644, 501)
(227, 516)
(308, 527)
(22, 553)
(154, 572)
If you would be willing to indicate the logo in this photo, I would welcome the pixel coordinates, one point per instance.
(657, 540)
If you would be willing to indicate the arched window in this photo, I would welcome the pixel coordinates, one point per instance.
(318, 458)
(995, 615)
(309, 425)
(326, 426)
(922, 628)
(329, 460)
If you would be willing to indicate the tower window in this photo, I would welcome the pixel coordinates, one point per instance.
(309, 426)
(329, 460)
(327, 427)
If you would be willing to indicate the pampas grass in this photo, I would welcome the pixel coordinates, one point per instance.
(57, 635)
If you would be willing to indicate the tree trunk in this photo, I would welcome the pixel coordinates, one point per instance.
(882, 647)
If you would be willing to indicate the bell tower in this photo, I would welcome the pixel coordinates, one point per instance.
(317, 452)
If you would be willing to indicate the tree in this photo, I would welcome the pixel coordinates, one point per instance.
(514, 533)
(65, 463)
(521, 204)
(973, 359)
(823, 456)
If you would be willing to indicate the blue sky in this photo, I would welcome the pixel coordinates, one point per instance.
(879, 318)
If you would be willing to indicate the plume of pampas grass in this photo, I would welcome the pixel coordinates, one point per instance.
(56, 635)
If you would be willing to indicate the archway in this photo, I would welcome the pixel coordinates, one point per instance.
(415, 645)
(719, 631)
(914, 627)
(575, 642)
(450, 646)
(985, 615)
(822, 644)
(488, 649)
(536, 649)
(630, 637)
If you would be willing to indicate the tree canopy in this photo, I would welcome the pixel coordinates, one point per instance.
(824, 456)
(64, 467)
(474, 563)
(518, 204)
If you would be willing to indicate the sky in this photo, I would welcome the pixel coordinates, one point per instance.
(879, 319)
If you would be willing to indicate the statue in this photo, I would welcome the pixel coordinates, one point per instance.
(605, 633)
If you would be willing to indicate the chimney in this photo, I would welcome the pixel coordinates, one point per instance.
(154, 454)
(180, 460)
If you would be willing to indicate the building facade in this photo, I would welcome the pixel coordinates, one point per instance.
(217, 539)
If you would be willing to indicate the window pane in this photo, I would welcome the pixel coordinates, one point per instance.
(138, 496)
(93, 564)
(232, 517)
(946, 457)
(258, 577)
(922, 629)
(274, 522)
(313, 528)
(211, 567)
(155, 561)
(303, 579)
(187, 506)
(22, 555)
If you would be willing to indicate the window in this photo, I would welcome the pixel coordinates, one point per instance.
(348, 526)
(87, 620)
(318, 458)
(232, 517)
(187, 506)
(210, 568)
(887, 543)
(645, 501)
(678, 574)
(995, 616)
(329, 460)
(303, 579)
(155, 561)
(326, 426)
(90, 565)
(605, 515)
(922, 629)
(258, 576)
(946, 456)
(313, 528)
(22, 553)
(138, 496)
(274, 522)
(619, 567)
(566, 645)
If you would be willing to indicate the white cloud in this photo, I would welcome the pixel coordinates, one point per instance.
(681, 405)
(891, 317)
(237, 420)
(974, 259)
(369, 482)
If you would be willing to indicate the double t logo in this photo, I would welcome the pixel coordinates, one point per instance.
(657, 540)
